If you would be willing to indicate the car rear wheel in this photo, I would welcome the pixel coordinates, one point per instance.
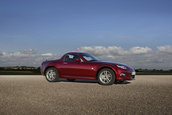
(71, 80)
(52, 74)
(106, 76)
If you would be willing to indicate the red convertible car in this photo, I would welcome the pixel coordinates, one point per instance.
(76, 65)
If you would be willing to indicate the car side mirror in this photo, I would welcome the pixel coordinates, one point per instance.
(77, 60)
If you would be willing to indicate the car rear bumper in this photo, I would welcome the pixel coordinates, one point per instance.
(41, 70)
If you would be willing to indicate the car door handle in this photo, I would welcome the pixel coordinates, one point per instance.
(65, 63)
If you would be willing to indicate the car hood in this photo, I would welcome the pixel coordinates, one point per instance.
(114, 63)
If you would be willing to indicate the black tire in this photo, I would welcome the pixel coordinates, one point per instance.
(51, 74)
(106, 76)
(71, 80)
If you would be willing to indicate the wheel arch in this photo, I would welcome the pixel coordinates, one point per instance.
(48, 68)
(106, 67)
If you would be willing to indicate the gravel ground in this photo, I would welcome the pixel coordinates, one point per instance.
(31, 95)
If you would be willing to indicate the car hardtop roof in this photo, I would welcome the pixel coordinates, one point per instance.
(74, 52)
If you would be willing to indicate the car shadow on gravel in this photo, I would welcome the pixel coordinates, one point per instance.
(79, 81)
(93, 81)
(122, 82)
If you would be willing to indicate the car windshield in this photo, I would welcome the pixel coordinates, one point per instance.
(88, 57)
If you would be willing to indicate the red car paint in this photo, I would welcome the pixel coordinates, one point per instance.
(86, 70)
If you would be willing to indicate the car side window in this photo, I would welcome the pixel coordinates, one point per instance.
(72, 58)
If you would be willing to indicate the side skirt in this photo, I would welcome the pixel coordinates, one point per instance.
(77, 77)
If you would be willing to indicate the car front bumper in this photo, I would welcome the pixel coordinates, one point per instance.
(126, 75)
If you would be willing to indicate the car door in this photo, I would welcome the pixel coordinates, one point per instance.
(70, 67)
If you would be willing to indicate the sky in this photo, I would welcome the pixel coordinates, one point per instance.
(136, 32)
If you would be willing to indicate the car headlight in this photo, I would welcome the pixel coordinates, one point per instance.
(121, 66)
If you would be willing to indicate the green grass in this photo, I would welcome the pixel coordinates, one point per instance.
(20, 73)
(153, 73)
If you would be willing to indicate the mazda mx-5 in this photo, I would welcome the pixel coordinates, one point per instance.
(76, 65)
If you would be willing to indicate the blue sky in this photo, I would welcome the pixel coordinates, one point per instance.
(62, 25)
(58, 26)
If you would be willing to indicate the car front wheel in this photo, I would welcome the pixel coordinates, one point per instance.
(106, 76)
(52, 74)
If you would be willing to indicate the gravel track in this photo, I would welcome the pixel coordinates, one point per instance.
(32, 94)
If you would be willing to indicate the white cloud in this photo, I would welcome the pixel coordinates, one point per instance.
(137, 57)
(22, 53)
(28, 57)
(114, 50)
(47, 54)
(96, 50)
(167, 48)
(28, 51)
(101, 50)
(140, 50)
